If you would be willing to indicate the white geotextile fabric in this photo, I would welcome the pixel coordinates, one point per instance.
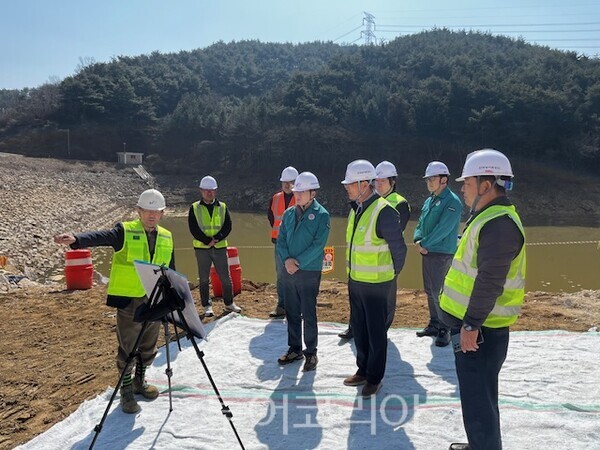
(549, 396)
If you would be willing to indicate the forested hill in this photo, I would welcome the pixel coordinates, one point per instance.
(261, 106)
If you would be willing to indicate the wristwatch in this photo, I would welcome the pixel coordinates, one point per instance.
(468, 327)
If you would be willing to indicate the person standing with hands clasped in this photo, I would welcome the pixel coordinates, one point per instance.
(483, 293)
(435, 238)
(142, 239)
(210, 224)
(302, 238)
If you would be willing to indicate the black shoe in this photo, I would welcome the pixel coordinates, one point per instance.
(459, 447)
(443, 338)
(429, 330)
(310, 363)
(346, 334)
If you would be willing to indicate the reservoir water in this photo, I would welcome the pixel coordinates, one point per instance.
(558, 258)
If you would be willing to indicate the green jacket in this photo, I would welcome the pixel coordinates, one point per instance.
(437, 229)
(303, 236)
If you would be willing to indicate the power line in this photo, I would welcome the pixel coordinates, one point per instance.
(488, 8)
(346, 34)
(495, 25)
(509, 31)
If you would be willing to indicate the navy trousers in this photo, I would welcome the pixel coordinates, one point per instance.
(368, 313)
(478, 381)
(300, 292)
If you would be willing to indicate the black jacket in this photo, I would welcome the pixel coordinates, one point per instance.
(199, 234)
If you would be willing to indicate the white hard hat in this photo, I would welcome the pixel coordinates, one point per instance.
(288, 174)
(152, 200)
(436, 168)
(486, 162)
(306, 181)
(386, 169)
(208, 182)
(359, 170)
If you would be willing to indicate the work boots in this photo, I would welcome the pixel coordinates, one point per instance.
(128, 403)
(140, 386)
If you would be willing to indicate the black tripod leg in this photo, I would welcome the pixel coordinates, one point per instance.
(176, 332)
(128, 361)
(224, 408)
(168, 370)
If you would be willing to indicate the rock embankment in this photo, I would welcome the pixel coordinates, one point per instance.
(42, 197)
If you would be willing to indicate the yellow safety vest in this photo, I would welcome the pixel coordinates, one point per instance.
(460, 279)
(210, 225)
(124, 280)
(395, 199)
(368, 257)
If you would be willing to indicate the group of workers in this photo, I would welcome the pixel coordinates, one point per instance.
(474, 282)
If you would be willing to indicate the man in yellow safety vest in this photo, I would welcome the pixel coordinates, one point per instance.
(210, 224)
(142, 239)
(483, 293)
(375, 254)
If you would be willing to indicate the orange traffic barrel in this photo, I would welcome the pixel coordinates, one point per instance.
(235, 272)
(79, 270)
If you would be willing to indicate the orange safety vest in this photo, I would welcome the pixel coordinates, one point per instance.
(278, 208)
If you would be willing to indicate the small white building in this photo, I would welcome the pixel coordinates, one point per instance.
(129, 158)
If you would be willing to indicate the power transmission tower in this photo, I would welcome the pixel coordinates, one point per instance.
(369, 32)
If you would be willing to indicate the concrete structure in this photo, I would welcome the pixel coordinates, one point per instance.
(129, 158)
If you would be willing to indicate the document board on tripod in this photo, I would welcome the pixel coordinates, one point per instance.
(149, 274)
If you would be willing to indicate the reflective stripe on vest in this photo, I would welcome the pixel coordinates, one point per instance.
(278, 208)
(210, 225)
(395, 199)
(368, 257)
(124, 280)
(460, 279)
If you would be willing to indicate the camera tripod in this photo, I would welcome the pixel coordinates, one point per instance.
(164, 302)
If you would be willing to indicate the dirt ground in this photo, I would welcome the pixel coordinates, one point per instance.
(58, 346)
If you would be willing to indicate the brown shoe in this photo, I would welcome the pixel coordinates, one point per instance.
(128, 403)
(370, 389)
(290, 357)
(355, 380)
(139, 383)
(147, 390)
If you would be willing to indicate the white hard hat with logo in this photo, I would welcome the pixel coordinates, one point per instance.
(288, 174)
(486, 162)
(386, 169)
(208, 182)
(151, 200)
(306, 181)
(435, 168)
(359, 170)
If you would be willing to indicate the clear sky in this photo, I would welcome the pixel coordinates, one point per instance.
(43, 40)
